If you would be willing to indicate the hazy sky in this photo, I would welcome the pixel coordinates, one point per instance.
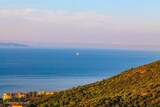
(130, 24)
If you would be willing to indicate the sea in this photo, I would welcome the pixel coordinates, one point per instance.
(53, 69)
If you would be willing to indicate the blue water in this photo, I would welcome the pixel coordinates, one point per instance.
(56, 69)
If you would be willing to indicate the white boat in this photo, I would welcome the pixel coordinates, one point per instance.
(77, 53)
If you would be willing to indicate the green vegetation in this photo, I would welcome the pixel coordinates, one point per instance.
(138, 87)
(1, 102)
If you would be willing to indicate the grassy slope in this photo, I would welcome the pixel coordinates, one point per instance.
(136, 87)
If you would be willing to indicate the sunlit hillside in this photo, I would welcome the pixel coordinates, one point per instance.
(134, 87)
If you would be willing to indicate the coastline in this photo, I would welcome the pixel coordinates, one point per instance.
(11, 83)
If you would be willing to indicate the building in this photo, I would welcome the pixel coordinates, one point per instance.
(7, 96)
(17, 105)
(49, 93)
(45, 93)
(19, 95)
(32, 94)
(24, 95)
(41, 92)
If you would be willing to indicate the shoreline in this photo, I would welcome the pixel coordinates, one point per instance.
(11, 84)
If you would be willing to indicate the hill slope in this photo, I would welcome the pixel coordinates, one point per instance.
(135, 87)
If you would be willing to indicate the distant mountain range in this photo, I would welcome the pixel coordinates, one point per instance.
(12, 45)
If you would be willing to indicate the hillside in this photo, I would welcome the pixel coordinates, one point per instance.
(134, 87)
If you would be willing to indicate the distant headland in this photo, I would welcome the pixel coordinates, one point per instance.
(12, 45)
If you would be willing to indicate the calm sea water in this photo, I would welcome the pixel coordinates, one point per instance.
(57, 69)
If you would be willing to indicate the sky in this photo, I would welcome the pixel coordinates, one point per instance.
(122, 24)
